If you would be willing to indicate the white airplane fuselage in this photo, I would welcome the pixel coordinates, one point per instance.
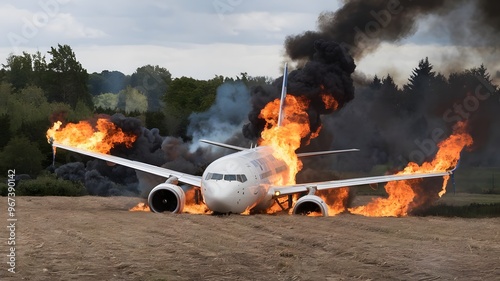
(240, 181)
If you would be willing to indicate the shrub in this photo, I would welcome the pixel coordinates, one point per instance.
(46, 186)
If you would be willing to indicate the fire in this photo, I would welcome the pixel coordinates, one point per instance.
(404, 195)
(336, 199)
(141, 207)
(100, 138)
(330, 102)
(286, 138)
(192, 207)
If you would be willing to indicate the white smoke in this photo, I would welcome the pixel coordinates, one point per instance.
(224, 119)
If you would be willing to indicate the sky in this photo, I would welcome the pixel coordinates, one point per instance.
(198, 39)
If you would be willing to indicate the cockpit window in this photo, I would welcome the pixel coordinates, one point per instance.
(216, 176)
(241, 178)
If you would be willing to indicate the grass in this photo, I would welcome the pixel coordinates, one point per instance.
(473, 210)
(464, 205)
(462, 199)
(477, 180)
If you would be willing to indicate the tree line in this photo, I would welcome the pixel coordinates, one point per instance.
(36, 89)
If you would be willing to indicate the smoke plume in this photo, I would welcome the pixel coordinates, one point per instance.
(361, 26)
(327, 73)
(222, 121)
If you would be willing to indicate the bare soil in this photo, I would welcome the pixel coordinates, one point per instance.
(96, 238)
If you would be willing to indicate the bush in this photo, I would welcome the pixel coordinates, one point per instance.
(23, 155)
(46, 186)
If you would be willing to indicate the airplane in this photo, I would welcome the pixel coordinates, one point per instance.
(243, 181)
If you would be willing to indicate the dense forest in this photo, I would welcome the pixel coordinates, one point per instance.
(389, 123)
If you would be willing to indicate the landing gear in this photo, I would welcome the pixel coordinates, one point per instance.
(198, 199)
(288, 201)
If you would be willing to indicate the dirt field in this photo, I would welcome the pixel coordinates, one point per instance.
(96, 238)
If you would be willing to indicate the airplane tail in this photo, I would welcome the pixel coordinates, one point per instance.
(281, 114)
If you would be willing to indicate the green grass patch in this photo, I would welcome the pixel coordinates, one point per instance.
(473, 210)
(45, 186)
(477, 180)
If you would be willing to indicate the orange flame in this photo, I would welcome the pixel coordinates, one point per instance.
(286, 138)
(191, 207)
(330, 102)
(141, 207)
(403, 194)
(336, 200)
(101, 138)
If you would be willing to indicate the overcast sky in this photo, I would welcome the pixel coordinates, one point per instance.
(190, 37)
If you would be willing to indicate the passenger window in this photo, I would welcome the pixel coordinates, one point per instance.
(230, 177)
(216, 176)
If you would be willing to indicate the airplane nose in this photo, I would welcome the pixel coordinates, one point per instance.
(222, 199)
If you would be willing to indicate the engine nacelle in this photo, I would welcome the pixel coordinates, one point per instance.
(310, 204)
(167, 197)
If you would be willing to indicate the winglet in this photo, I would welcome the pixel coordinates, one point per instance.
(283, 95)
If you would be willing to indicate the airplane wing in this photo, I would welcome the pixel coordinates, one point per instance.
(182, 177)
(297, 188)
(224, 145)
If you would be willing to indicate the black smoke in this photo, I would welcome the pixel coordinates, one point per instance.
(328, 72)
(393, 125)
(361, 26)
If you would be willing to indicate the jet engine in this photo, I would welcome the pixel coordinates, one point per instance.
(310, 204)
(167, 197)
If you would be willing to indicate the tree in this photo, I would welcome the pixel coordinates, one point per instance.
(376, 83)
(186, 95)
(107, 82)
(153, 82)
(421, 77)
(131, 99)
(420, 85)
(4, 128)
(67, 79)
(27, 106)
(39, 69)
(80, 112)
(19, 71)
(391, 95)
(106, 101)
(23, 155)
